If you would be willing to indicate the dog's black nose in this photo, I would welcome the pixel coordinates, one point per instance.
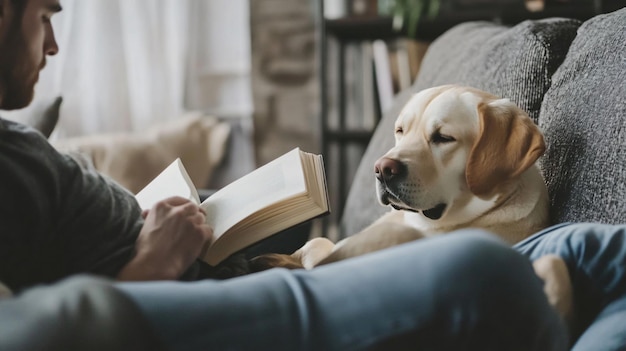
(388, 169)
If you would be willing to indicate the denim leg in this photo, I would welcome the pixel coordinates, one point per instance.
(607, 332)
(595, 255)
(461, 291)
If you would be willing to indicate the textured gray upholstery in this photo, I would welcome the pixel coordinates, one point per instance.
(584, 120)
(516, 63)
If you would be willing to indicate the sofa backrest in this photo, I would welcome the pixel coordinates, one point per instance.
(584, 119)
(513, 62)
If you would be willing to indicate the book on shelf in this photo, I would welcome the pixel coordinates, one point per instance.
(283, 193)
(360, 106)
(382, 67)
(369, 111)
(405, 57)
(402, 71)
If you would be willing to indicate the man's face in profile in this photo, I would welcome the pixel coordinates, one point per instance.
(19, 73)
(29, 38)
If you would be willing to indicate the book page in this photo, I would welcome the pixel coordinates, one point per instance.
(172, 181)
(280, 179)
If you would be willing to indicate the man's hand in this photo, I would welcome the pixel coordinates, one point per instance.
(172, 237)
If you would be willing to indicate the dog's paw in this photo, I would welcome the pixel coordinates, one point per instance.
(267, 261)
(557, 285)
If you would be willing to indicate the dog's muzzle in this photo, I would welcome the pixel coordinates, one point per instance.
(390, 173)
(388, 170)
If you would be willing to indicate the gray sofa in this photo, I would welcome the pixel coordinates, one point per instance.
(571, 79)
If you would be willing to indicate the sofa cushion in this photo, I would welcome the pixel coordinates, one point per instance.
(513, 62)
(584, 119)
(133, 159)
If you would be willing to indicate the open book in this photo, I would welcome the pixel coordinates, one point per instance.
(281, 194)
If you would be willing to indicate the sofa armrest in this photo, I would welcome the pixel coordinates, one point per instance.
(80, 313)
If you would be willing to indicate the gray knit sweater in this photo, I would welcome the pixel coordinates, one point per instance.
(56, 217)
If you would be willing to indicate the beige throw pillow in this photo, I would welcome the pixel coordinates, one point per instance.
(134, 159)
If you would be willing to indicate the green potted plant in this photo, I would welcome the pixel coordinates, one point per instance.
(408, 13)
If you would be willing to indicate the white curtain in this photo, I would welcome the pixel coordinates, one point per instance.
(220, 67)
(124, 64)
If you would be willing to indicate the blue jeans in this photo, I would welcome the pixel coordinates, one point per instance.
(462, 291)
(595, 255)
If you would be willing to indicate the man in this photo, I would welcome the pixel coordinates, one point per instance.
(56, 218)
(461, 291)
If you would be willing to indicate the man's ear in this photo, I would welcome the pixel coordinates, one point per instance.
(508, 143)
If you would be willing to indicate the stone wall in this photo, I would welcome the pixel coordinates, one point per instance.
(284, 77)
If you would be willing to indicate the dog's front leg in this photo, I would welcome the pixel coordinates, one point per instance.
(389, 231)
(314, 251)
(557, 285)
(308, 256)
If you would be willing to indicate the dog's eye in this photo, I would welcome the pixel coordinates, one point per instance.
(439, 138)
(399, 130)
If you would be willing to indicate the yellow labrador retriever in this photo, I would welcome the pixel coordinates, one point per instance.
(462, 158)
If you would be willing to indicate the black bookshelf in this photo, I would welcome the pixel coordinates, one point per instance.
(371, 28)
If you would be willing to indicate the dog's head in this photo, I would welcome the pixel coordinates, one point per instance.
(455, 145)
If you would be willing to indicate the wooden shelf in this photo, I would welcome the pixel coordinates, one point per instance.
(361, 28)
(371, 28)
(357, 136)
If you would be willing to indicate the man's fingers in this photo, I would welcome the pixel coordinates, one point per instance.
(198, 218)
(189, 209)
(178, 204)
(166, 205)
(176, 201)
(207, 232)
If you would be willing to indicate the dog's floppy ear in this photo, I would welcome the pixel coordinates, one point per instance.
(508, 142)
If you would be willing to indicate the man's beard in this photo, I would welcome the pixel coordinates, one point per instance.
(18, 75)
